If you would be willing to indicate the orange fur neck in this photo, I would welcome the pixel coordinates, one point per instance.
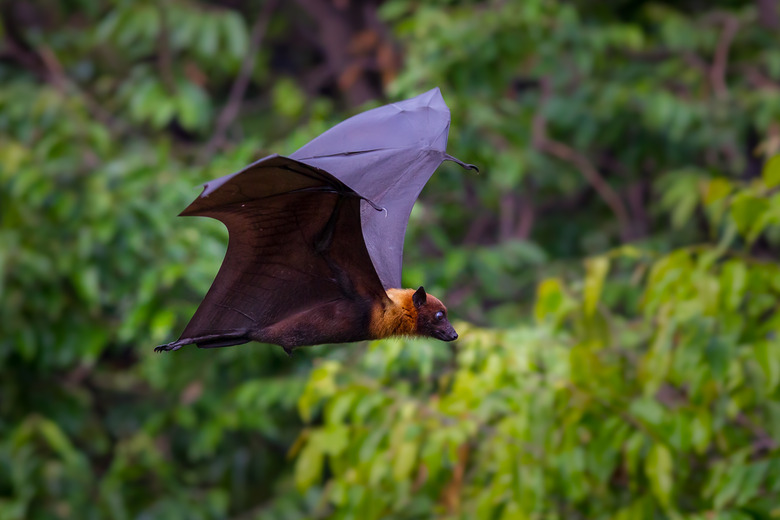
(398, 318)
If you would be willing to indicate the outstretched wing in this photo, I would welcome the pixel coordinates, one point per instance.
(387, 155)
(295, 242)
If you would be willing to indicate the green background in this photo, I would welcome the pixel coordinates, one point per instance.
(612, 270)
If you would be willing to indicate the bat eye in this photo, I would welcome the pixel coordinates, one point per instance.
(439, 316)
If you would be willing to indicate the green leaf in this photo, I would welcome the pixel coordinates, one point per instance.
(680, 188)
(338, 408)
(192, 105)
(404, 460)
(308, 466)
(58, 441)
(733, 283)
(658, 468)
(288, 99)
(208, 36)
(321, 384)
(716, 189)
(767, 355)
(370, 447)
(633, 448)
(596, 269)
(718, 353)
(752, 481)
(331, 440)
(87, 284)
(648, 410)
(551, 300)
(771, 172)
(235, 32)
(701, 431)
(162, 323)
(746, 209)
(731, 484)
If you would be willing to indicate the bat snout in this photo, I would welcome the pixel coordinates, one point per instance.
(447, 334)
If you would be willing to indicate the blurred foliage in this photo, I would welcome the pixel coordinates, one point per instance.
(614, 264)
(605, 407)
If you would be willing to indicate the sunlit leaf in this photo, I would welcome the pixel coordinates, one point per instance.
(308, 466)
(658, 467)
(551, 300)
(767, 355)
(404, 459)
(716, 189)
(596, 269)
(771, 172)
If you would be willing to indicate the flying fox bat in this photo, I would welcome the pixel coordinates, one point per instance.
(316, 239)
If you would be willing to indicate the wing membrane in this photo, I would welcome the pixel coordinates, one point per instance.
(294, 234)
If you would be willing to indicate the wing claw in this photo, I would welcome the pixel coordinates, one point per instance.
(466, 166)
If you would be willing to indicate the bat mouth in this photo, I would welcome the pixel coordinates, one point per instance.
(446, 335)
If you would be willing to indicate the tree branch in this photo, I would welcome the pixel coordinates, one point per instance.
(720, 61)
(568, 154)
(525, 222)
(238, 89)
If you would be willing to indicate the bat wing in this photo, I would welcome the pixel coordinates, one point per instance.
(387, 155)
(294, 234)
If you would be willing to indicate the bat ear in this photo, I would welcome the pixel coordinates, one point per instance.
(419, 297)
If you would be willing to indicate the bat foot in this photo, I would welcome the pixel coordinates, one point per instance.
(168, 347)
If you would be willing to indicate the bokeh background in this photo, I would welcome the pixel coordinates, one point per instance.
(613, 271)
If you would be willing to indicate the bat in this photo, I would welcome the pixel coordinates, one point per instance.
(315, 245)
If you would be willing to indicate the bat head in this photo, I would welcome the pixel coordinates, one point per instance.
(432, 317)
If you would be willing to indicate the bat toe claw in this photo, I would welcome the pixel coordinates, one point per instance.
(168, 347)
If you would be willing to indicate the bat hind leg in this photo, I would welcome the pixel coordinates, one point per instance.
(174, 345)
(209, 341)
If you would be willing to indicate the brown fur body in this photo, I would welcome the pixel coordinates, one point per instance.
(405, 312)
